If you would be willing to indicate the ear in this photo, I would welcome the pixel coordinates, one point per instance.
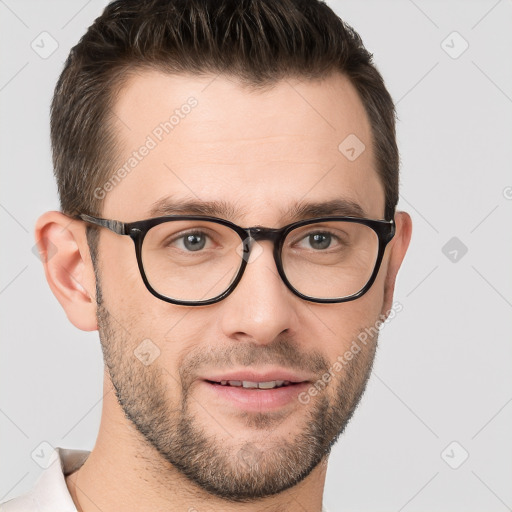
(397, 249)
(63, 249)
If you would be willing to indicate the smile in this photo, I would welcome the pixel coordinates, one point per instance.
(254, 385)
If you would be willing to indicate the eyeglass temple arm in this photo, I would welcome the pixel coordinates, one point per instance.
(392, 230)
(114, 225)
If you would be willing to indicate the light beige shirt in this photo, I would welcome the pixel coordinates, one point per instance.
(50, 492)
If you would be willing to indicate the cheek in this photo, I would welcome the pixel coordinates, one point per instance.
(146, 322)
(121, 282)
(338, 326)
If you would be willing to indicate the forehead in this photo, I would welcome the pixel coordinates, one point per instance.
(212, 139)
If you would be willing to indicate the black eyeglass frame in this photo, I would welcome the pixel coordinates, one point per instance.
(385, 230)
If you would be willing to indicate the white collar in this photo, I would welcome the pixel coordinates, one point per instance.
(50, 492)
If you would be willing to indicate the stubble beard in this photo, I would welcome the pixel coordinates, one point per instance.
(236, 471)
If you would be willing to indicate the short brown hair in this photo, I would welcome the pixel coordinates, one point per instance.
(256, 41)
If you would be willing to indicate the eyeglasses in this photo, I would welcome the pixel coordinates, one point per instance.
(199, 260)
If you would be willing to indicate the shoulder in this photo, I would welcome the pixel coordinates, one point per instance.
(50, 492)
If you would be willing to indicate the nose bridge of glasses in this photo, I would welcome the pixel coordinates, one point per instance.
(260, 233)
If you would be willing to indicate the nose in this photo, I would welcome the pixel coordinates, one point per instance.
(261, 307)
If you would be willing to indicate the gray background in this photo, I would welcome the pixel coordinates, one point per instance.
(442, 373)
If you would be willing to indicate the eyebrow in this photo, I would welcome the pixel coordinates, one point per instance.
(298, 211)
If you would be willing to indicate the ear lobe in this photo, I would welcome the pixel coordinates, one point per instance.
(63, 249)
(398, 247)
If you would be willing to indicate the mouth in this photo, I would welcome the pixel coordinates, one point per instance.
(248, 384)
(256, 391)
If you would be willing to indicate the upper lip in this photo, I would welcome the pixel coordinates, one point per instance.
(258, 376)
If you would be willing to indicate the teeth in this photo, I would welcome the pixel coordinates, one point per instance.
(255, 385)
(267, 385)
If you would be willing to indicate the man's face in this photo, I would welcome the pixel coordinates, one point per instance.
(260, 153)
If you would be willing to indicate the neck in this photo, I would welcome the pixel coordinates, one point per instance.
(123, 472)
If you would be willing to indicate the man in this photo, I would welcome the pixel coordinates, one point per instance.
(248, 150)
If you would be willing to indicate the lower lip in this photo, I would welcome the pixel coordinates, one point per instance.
(258, 399)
